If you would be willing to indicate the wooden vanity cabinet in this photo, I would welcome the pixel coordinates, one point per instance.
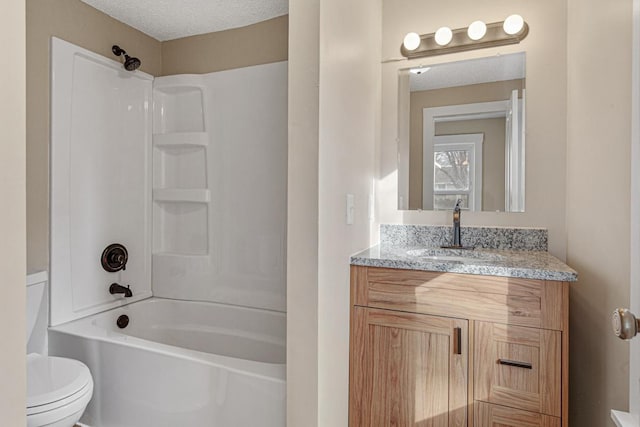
(445, 349)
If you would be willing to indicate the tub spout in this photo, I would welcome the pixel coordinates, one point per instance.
(119, 289)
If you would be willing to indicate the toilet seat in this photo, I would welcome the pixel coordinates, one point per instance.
(56, 383)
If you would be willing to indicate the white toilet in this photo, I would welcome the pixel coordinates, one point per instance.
(58, 389)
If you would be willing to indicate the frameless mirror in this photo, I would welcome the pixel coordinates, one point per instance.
(461, 135)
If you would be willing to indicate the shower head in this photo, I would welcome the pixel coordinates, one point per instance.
(130, 63)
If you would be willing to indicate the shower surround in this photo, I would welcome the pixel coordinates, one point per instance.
(220, 179)
(189, 173)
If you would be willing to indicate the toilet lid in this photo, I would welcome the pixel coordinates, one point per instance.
(53, 378)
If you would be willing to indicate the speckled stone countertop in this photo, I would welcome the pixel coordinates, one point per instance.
(489, 262)
(406, 254)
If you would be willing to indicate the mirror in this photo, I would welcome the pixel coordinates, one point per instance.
(461, 135)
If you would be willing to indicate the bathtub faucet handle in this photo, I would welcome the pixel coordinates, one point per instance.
(114, 258)
(119, 289)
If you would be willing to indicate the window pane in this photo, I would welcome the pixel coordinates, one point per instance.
(451, 170)
(447, 202)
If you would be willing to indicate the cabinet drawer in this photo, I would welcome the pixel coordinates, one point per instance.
(518, 367)
(522, 302)
(488, 415)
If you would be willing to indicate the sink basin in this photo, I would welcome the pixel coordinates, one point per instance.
(454, 255)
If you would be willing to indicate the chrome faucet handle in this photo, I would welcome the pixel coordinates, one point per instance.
(458, 204)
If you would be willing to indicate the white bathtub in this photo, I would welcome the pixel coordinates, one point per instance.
(180, 363)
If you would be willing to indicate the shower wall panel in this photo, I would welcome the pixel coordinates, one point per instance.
(220, 181)
(100, 180)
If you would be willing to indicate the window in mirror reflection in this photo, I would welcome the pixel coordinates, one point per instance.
(479, 103)
(457, 171)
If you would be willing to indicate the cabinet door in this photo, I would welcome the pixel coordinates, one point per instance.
(518, 367)
(488, 415)
(407, 370)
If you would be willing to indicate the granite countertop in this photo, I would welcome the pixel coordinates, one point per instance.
(489, 262)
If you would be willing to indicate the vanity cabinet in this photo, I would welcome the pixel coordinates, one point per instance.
(446, 349)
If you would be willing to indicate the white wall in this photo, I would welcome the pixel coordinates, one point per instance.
(634, 294)
(12, 215)
(302, 214)
(598, 203)
(349, 112)
(333, 125)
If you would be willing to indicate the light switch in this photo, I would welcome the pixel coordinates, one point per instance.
(351, 202)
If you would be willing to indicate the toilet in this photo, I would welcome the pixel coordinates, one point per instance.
(58, 389)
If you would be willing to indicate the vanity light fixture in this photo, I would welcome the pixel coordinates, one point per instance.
(477, 36)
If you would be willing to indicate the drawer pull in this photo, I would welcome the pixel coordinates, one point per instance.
(507, 362)
(457, 340)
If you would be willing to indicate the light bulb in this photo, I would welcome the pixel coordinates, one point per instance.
(513, 24)
(443, 36)
(477, 30)
(411, 41)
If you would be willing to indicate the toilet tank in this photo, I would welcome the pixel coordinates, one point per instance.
(36, 332)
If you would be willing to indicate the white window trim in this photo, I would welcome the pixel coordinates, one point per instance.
(472, 142)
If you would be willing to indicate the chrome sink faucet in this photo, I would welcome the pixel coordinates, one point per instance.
(456, 225)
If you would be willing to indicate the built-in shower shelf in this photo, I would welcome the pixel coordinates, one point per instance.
(181, 139)
(181, 195)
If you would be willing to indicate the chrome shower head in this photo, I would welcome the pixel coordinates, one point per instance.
(131, 63)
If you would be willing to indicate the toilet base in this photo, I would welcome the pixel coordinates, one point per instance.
(69, 421)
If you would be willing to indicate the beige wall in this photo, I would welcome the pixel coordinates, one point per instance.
(546, 105)
(12, 215)
(78, 23)
(261, 43)
(334, 101)
(598, 197)
(493, 152)
(302, 214)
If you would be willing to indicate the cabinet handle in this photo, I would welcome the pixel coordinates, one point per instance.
(457, 340)
(508, 362)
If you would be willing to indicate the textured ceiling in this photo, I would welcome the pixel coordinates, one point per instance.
(474, 71)
(172, 19)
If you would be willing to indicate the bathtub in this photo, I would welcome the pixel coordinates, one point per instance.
(180, 363)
